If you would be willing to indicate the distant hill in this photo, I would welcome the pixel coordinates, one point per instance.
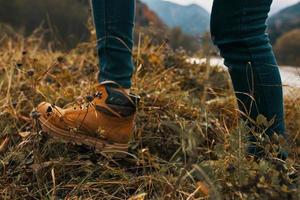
(192, 19)
(25, 16)
(149, 23)
(146, 17)
(287, 48)
(284, 21)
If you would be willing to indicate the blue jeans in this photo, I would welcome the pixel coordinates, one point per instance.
(114, 21)
(238, 29)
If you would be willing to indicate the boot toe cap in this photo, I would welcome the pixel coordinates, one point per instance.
(44, 108)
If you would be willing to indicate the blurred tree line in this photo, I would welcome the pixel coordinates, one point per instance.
(285, 35)
(65, 25)
(287, 48)
(65, 22)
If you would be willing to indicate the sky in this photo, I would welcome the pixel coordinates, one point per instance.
(207, 4)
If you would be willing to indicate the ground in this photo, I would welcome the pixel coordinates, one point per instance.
(188, 143)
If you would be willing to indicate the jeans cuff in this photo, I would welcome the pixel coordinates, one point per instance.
(124, 84)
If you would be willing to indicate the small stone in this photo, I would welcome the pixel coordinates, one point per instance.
(61, 59)
(89, 98)
(14, 103)
(19, 65)
(230, 168)
(30, 72)
(35, 115)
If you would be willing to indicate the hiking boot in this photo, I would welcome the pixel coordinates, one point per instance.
(104, 122)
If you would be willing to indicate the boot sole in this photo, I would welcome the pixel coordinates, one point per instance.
(116, 150)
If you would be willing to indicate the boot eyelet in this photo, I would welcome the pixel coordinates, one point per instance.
(98, 95)
(49, 109)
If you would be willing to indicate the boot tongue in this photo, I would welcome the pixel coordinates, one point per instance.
(104, 86)
(116, 95)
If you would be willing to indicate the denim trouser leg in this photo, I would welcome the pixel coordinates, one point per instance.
(238, 29)
(114, 21)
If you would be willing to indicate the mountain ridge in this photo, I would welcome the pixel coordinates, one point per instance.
(284, 21)
(192, 19)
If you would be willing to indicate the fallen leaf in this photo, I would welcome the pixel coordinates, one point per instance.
(4, 144)
(202, 187)
(24, 134)
(138, 197)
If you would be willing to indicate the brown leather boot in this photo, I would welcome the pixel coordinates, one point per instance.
(105, 122)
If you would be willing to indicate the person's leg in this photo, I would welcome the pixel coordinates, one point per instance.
(105, 120)
(238, 29)
(114, 21)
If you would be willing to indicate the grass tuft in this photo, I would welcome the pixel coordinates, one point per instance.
(188, 144)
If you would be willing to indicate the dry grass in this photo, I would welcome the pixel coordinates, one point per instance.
(188, 143)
